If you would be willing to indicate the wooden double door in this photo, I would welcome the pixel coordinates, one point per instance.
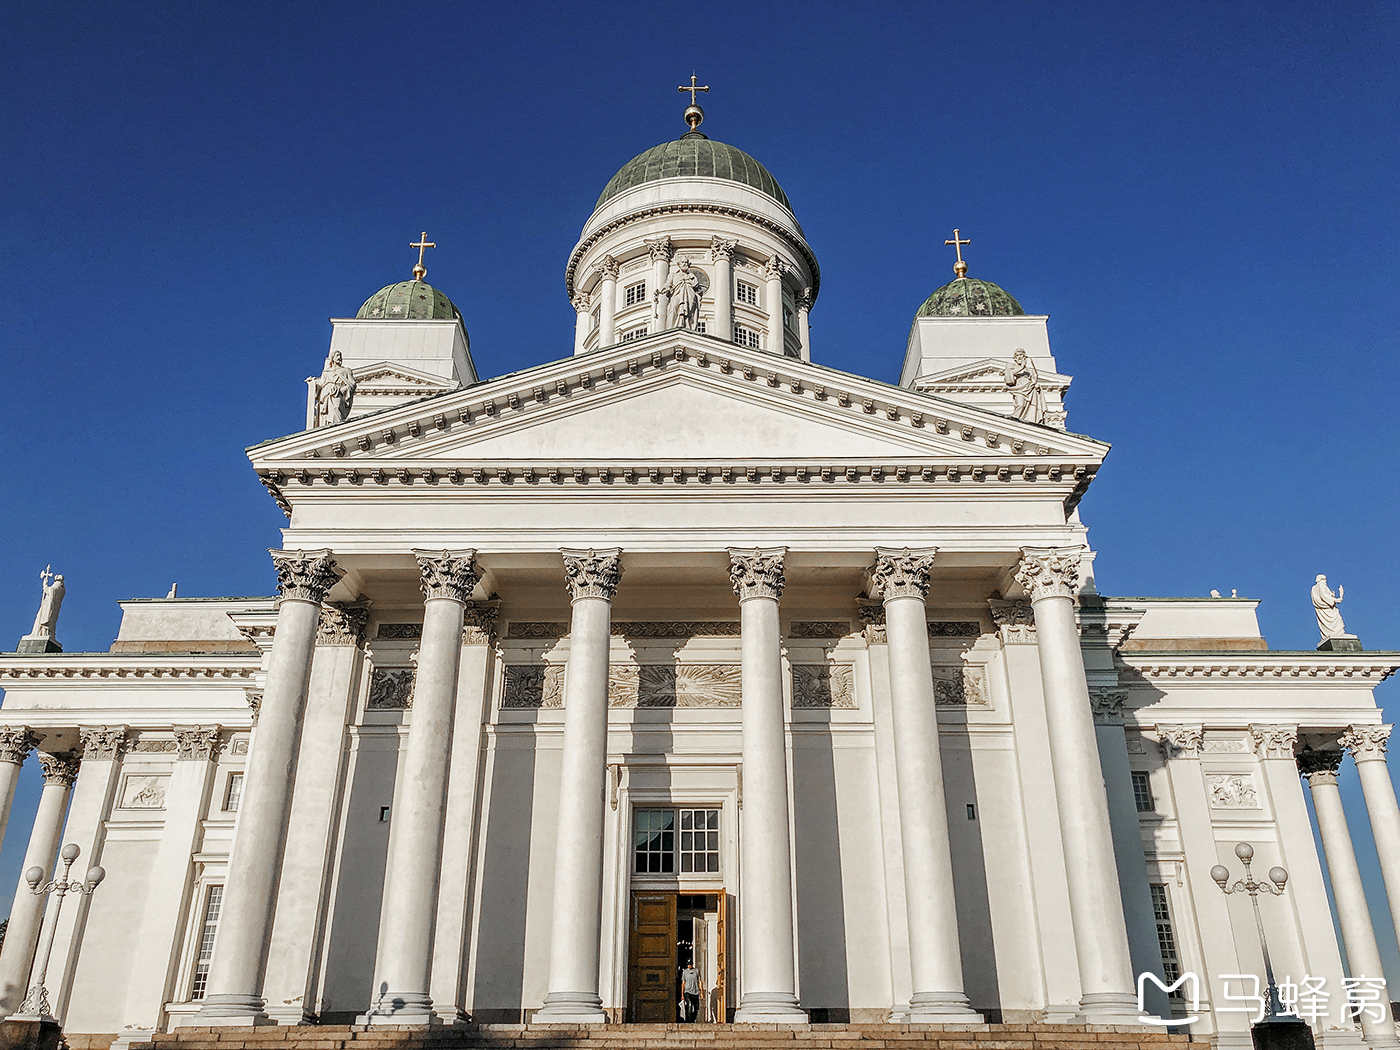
(655, 945)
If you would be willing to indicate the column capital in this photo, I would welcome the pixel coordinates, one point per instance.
(16, 742)
(775, 267)
(60, 767)
(102, 742)
(447, 574)
(581, 301)
(1366, 743)
(342, 623)
(198, 741)
(757, 573)
(1274, 741)
(305, 576)
(805, 299)
(592, 573)
(1049, 572)
(607, 268)
(255, 699)
(722, 249)
(902, 573)
(1183, 741)
(1319, 767)
(872, 615)
(659, 248)
(1015, 620)
(479, 622)
(1108, 706)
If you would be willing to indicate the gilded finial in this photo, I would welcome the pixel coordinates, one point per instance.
(959, 267)
(693, 113)
(420, 271)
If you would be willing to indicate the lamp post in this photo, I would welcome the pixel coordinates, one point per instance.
(36, 1004)
(1277, 1029)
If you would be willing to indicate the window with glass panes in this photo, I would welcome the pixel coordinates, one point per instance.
(747, 293)
(1166, 935)
(204, 949)
(635, 293)
(233, 793)
(1142, 792)
(635, 333)
(745, 336)
(675, 841)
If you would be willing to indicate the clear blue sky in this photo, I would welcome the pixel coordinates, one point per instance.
(1201, 196)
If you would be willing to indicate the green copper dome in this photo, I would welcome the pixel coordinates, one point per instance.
(969, 297)
(690, 155)
(410, 301)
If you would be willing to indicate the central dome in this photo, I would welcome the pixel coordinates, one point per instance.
(693, 154)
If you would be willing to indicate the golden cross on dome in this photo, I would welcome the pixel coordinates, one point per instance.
(692, 88)
(959, 267)
(420, 271)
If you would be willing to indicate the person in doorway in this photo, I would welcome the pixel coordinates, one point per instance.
(691, 990)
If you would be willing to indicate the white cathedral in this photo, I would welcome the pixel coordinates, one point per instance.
(683, 648)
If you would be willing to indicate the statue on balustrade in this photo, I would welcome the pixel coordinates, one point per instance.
(335, 392)
(1024, 381)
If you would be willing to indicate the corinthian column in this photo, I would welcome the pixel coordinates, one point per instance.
(768, 967)
(304, 578)
(660, 251)
(16, 742)
(773, 300)
(1358, 935)
(27, 912)
(420, 801)
(1108, 996)
(804, 329)
(722, 289)
(576, 931)
(901, 579)
(581, 325)
(607, 296)
(1367, 746)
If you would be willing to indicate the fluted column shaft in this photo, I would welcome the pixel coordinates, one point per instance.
(769, 970)
(1367, 746)
(1348, 892)
(1108, 994)
(901, 579)
(607, 301)
(420, 801)
(576, 923)
(722, 252)
(27, 912)
(583, 323)
(240, 953)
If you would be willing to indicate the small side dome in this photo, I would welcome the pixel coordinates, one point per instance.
(693, 154)
(409, 301)
(969, 297)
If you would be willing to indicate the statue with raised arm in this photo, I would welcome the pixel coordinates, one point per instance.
(1329, 618)
(335, 392)
(684, 295)
(1024, 382)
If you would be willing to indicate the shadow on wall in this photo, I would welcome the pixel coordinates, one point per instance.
(821, 903)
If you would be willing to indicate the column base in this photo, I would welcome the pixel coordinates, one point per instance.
(399, 1008)
(132, 1035)
(229, 1010)
(1110, 1008)
(769, 1008)
(941, 1008)
(571, 1008)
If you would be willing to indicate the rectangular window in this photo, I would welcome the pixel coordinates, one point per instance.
(655, 842)
(700, 327)
(670, 841)
(787, 317)
(635, 333)
(699, 840)
(1142, 792)
(745, 336)
(204, 950)
(635, 293)
(747, 293)
(1166, 936)
(233, 792)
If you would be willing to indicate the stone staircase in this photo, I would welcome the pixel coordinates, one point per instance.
(674, 1037)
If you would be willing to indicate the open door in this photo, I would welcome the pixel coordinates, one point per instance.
(719, 995)
(651, 977)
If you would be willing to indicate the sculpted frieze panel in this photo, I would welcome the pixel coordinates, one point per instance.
(681, 685)
(400, 630)
(820, 628)
(143, 791)
(390, 689)
(823, 686)
(954, 629)
(959, 686)
(1232, 791)
(533, 686)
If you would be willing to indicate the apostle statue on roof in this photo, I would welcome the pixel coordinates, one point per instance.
(1024, 382)
(335, 392)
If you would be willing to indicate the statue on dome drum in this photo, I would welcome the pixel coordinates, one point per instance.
(1024, 382)
(684, 295)
(1329, 618)
(335, 392)
(41, 639)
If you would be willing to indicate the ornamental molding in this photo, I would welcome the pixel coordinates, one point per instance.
(342, 624)
(902, 573)
(607, 268)
(1319, 767)
(125, 666)
(102, 742)
(659, 248)
(592, 573)
(390, 689)
(720, 248)
(1182, 741)
(1015, 621)
(1366, 743)
(1271, 741)
(530, 629)
(16, 743)
(775, 268)
(581, 301)
(1300, 668)
(306, 576)
(396, 631)
(198, 742)
(1049, 572)
(823, 629)
(954, 629)
(479, 619)
(757, 573)
(450, 574)
(60, 767)
(151, 746)
(1107, 705)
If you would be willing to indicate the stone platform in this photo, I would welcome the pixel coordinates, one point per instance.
(673, 1037)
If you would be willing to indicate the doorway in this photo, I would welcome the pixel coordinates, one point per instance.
(670, 930)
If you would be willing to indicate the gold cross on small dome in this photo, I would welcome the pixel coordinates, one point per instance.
(959, 267)
(694, 115)
(422, 244)
(692, 88)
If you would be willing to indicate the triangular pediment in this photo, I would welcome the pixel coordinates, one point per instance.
(687, 399)
(988, 372)
(391, 374)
